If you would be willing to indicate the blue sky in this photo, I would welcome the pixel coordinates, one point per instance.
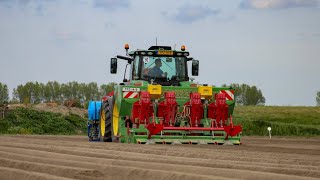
(274, 45)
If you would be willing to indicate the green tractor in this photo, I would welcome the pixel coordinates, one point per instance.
(160, 103)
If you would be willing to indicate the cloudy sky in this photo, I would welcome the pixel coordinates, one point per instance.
(273, 44)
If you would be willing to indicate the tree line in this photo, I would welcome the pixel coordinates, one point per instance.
(53, 91)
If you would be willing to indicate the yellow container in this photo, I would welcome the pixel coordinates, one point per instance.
(154, 90)
(205, 91)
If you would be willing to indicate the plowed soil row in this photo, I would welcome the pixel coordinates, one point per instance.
(73, 157)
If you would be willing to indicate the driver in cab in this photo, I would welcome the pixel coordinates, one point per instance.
(156, 71)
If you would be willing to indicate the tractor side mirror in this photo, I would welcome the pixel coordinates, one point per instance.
(195, 67)
(113, 66)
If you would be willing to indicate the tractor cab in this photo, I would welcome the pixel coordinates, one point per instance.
(158, 64)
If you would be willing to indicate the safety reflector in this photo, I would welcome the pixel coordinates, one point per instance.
(130, 94)
(229, 94)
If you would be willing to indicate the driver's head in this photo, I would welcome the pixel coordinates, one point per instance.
(158, 62)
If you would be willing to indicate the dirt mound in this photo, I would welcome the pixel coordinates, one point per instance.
(54, 107)
(52, 157)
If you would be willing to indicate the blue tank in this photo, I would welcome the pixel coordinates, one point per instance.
(94, 110)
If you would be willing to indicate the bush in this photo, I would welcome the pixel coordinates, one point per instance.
(29, 121)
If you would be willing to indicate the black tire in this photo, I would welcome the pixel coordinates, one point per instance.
(93, 131)
(107, 108)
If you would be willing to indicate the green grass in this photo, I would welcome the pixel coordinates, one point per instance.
(284, 121)
(30, 121)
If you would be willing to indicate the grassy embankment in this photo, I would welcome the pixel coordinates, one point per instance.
(284, 121)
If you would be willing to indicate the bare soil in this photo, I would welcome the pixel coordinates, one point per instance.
(73, 157)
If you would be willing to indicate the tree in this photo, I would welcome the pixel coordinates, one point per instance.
(82, 92)
(29, 92)
(65, 90)
(47, 95)
(103, 90)
(248, 95)
(318, 98)
(42, 88)
(19, 93)
(92, 91)
(106, 88)
(37, 93)
(57, 92)
(15, 96)
(4, 93)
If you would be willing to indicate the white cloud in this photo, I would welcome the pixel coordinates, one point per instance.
(111, 4)
(192, 13)
(277, 4)
(36, 7)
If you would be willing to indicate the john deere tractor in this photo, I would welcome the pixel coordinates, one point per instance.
(160, 103)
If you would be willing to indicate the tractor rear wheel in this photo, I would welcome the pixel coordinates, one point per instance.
(107, 110)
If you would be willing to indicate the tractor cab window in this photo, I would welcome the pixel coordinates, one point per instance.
(161, 68)
(135, 70)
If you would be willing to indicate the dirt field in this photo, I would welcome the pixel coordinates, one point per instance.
(73, 157)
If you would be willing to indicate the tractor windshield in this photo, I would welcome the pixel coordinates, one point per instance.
(160, 69)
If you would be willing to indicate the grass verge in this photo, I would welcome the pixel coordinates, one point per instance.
(284, 121)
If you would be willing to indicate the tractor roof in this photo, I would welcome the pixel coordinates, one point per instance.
(159, 50)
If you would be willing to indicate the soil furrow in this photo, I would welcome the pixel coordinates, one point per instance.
(57, 157)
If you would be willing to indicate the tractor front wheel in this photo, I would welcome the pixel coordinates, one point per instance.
(107, 109)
